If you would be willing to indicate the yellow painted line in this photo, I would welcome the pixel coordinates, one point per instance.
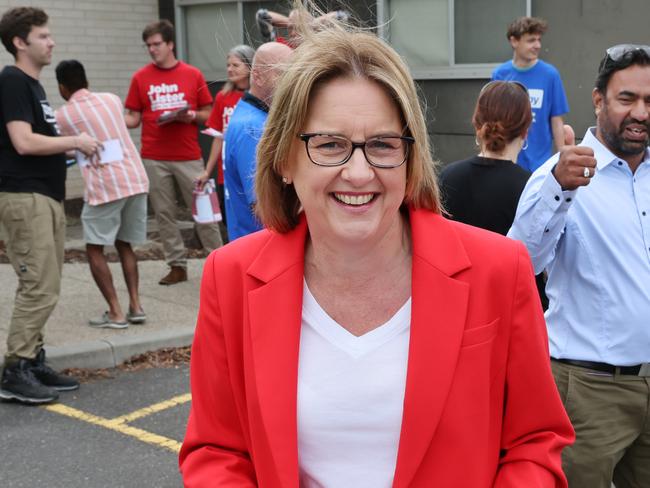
(158, 407)
(140, 434)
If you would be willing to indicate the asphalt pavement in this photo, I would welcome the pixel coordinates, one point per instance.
(71, 343)
(120, 432)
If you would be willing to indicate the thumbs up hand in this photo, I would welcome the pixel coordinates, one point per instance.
(569, 135)
(576, 165)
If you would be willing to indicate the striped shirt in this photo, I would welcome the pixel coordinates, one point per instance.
(101, 116)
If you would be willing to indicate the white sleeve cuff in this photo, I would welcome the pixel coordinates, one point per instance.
(552, 194)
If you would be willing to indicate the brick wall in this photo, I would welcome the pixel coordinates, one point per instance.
(105, 35)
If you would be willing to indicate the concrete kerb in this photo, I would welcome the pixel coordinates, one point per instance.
(105, 348)
(109, 353)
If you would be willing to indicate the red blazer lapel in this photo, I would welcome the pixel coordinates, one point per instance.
(437, 323)
(275, 310)
(438, 315)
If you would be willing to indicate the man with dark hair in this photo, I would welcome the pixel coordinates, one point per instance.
(163, 27)
(71, 75)
(115, 197)
(169, 98)
(32, 190)
(585, 217)
(547, 98)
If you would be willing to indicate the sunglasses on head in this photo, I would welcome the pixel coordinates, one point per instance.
(618, 52)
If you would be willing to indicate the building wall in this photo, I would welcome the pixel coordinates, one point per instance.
(105, 35)
(579, 33)
(166, 10)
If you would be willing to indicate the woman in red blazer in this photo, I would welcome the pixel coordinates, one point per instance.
(363, 340)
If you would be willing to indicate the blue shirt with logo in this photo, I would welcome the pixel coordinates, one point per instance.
(547, 99)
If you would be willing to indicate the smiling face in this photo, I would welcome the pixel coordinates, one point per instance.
(238, 72)
(526, 49)
(353, 204)
(623, 113)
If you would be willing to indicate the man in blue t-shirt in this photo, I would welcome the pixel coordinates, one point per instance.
(547, 97)
(244, 132)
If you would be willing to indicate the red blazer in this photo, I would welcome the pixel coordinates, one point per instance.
(481, 408)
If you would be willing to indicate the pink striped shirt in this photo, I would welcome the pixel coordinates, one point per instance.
(101, 116)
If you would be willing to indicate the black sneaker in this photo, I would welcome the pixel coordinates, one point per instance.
(19, 383)
(51, 378)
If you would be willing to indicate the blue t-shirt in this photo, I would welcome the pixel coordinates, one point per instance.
(244, 132)
(547, 99)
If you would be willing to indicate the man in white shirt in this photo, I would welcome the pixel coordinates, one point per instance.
(585, 217)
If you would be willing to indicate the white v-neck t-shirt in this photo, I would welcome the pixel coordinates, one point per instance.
(350, 399)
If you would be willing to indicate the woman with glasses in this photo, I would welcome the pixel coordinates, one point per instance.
(362, 340)
(484, 190)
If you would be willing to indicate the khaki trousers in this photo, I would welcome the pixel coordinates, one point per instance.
(163, 200)
(611, 417)
(35, 228)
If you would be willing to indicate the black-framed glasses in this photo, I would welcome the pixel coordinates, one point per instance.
(618, 52)
(380, 151)
(156, 45)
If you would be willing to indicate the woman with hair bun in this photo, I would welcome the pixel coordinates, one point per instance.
(484, 190)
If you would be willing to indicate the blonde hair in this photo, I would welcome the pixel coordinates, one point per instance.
(326, 52)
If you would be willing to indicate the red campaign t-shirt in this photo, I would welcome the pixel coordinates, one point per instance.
(154, 90)
(224, 106)
(285, 41)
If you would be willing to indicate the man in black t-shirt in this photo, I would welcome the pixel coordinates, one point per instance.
(32, 190)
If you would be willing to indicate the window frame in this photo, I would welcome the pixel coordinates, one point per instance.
(452, 70)
(181, 35)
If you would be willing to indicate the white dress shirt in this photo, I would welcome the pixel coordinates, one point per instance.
(595, 244)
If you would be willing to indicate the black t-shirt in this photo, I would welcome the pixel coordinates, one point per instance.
(483, 192)
(23, 98)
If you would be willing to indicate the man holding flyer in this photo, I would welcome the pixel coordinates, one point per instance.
(32, 191)
(115, 196)
(169, 98)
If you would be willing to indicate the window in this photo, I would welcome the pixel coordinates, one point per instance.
(438, 38)
(211, 30)
(208, 29)
(450, 38)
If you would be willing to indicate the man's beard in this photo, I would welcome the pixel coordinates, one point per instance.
(615, 138)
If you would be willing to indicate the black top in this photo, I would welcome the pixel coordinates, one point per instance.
(483, 192)
(23, 98)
